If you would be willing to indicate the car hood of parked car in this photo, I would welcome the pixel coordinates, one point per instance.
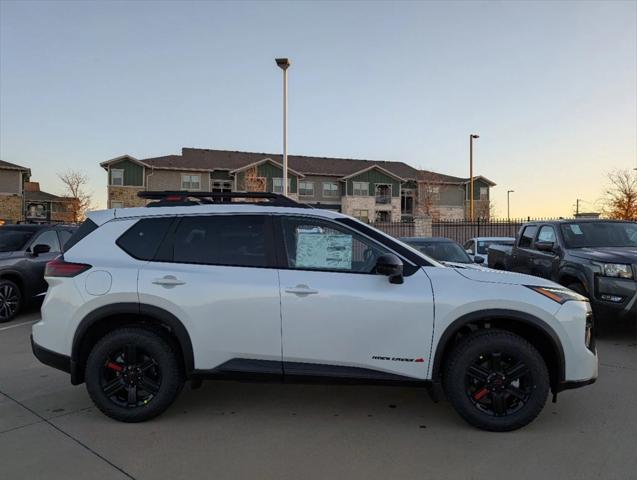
(471, 266)
(607, 254)
(498, 276)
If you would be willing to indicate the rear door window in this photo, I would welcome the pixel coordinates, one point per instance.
(142, 240)
(230, 240)
(526, 239)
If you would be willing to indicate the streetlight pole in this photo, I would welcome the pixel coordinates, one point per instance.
(509, 192)
(283, 64)
(471, 138)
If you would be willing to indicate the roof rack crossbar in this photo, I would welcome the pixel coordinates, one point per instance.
(181, 197)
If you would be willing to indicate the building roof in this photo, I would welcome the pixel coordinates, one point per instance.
(199, 159)
(12, 166)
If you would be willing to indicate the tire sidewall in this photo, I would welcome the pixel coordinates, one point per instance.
(158, 349)
(507, 344)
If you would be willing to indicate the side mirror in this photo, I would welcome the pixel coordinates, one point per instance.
(545, 246)
(478, 260)
(469, 251)
(40, 249)
(391, 266)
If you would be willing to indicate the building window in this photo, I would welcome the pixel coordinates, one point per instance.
(117, 204)
(306, 189)
(383, 194)
(361, 189)
(383, 216)
(222, 186)
(117, 177)
(277, 185)
(330, 189)
(433, 192)
(362, 215)
(407, 201)
(190, 182)
(484, 193)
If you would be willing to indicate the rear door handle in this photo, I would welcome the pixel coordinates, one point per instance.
(301, 290)
(168, 281)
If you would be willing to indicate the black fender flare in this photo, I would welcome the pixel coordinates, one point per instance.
(570, 271)
(498, 314)
(159, 315)
(8, 272)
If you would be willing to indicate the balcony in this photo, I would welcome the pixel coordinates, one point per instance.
(382, 199)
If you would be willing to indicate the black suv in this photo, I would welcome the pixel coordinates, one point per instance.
(597, 258)
(24, 252)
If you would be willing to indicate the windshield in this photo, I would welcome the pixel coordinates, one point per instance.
(443, 251)
(483, 245)
(599, 234)
(12, 240)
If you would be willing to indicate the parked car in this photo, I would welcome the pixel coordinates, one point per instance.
(147, 298)
(595, 258)
(478, 247)
(445, 250)
(24, 252)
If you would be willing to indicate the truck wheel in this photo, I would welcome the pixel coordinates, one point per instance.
(10, 300)
(133, 375)
(496, 380)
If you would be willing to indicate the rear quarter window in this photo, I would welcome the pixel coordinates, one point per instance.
(142, 240)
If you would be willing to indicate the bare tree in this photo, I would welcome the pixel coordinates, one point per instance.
(75, 183)
(485, 209)
(620, 197)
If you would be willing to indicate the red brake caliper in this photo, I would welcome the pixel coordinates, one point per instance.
(480, 393)
(114, 366)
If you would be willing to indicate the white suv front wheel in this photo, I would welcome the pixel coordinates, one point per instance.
(132, 375)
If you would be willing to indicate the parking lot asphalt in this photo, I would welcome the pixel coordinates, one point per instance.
(228, 430)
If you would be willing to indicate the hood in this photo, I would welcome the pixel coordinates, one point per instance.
(488, 275)
(607, 254)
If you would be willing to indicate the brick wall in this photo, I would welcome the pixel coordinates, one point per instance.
(11, 208)
(126, 195)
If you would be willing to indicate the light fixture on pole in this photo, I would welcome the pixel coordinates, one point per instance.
(284, 64)
(509, 192)
(472, 137)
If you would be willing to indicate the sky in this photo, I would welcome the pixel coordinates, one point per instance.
(550, 87)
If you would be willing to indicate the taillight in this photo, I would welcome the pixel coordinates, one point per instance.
(61, 268)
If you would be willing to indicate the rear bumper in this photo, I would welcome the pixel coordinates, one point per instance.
(50, 358)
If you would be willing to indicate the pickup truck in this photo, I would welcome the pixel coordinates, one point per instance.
(596, 258)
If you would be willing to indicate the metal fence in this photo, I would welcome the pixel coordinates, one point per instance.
(396, 229)
(460, 230)
(463, 230)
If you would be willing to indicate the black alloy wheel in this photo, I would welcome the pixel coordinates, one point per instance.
(496, 380)
(498, 384)
(10, 300)
(133, 374)
(130, 377)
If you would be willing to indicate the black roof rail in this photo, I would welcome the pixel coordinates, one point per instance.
(174, 198)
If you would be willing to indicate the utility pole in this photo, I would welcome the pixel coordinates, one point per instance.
(509, 192)
(471, 138)
(283, 64)
(577, 200)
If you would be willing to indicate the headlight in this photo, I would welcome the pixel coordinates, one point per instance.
(619, 270)
(559, 295)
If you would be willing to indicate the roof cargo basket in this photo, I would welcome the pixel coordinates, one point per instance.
(184, 198)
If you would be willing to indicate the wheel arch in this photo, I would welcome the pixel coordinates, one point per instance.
(571, 275)
(17, 278)
(529, 327)
(110, 317)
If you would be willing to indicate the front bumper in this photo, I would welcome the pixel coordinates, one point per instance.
(574, 384)
(606, 287)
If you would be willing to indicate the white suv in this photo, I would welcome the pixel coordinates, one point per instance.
(147, 298)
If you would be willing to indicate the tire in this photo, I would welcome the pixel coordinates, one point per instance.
(10, 300)
(496, 381)
(133, 359)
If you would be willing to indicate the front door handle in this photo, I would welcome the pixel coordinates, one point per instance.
(168, 281)
(301, 290)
